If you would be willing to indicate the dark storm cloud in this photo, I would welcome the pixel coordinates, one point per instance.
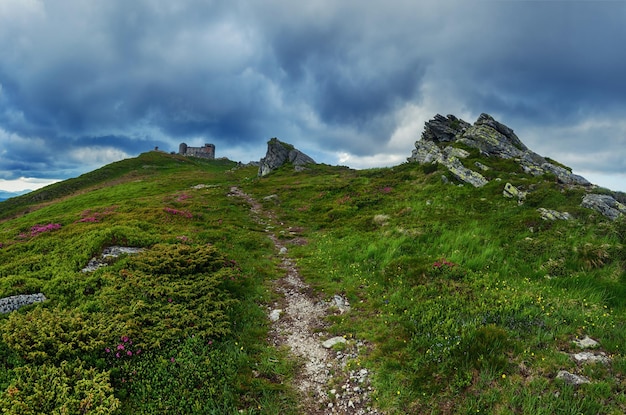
(86, 83)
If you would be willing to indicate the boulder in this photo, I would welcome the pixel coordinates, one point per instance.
(605, 204)
(278, 154)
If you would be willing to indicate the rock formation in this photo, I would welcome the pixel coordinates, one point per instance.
(440, 144)
(278, 154)
(492, 139)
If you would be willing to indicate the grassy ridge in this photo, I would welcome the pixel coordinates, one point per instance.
(468, 301)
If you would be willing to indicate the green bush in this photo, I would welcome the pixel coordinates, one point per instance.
(65, 390)
(170, 291)
(52, 335)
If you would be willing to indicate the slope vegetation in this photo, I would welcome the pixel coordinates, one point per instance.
(462, 300)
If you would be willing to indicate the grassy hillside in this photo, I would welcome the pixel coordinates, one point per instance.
(468, 302)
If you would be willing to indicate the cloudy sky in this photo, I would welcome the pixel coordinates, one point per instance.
(350, 82)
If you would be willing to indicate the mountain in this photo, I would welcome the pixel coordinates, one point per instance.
(169, 284)
(4, 195)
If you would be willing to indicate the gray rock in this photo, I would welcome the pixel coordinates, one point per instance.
(333, 341)
(15, 302)
(549, 214)
(571, 379)
(586, 343)
(278, 154)
(604, 204)
(588, 357)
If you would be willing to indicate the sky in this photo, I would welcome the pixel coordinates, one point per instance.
(350, 82)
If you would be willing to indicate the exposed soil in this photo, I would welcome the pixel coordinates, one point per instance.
(325, 381)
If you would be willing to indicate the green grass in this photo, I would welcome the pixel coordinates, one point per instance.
(468, 301)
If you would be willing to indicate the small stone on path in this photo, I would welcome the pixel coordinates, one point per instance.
(275, 315)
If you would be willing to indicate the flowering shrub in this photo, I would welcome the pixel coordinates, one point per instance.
(122, 349)
(183, 213)
(37, 229)
(447, 269)
(94, 217)
(443, 264)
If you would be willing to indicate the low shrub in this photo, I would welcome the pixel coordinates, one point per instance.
(65, 389)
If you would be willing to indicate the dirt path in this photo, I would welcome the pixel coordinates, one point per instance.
(325, 381)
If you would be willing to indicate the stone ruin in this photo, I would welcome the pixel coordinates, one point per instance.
(207, 151)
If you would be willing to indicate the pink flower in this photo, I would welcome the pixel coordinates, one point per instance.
(129, 353)
(120, 347)
(107, 350)
(172, 360)
(117, 355)
(124, 339)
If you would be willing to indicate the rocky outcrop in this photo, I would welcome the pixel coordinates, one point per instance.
(492, 139)
(278, 154)
(605, 204)
(15, 302)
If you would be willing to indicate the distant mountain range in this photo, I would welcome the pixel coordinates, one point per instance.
(7, 195)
